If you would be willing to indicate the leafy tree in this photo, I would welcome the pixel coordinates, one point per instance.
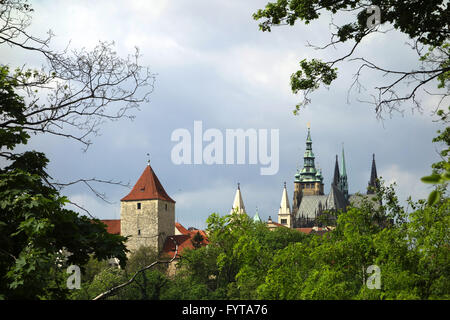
(440, 170)
(426, 23)
(79, 89)
(147, 284)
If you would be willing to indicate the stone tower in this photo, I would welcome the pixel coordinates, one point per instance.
(147, 213)
(284, 213)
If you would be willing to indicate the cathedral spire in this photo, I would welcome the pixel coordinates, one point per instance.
(336, 173)
(344, 171)
(238, 203)
(373, 183)
(343, 177)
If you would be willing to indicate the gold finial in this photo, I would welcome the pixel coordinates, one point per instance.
(308, 124)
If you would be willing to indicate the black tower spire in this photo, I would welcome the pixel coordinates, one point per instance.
(336, 173)
(373, 183)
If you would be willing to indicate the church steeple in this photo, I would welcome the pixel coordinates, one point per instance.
(238, 203)
(373, 183)
(336, 173)
(343, 177)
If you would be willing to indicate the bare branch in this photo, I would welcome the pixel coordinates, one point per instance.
(116, 288)
(88, 182)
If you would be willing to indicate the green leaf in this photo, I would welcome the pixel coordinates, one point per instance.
(434, 197)
(434, 178)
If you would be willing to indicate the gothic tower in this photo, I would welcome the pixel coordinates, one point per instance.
(284, 213)
(308, 181)
(373, 183)
(147, 213)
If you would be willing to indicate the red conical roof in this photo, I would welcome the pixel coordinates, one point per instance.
(148, 187)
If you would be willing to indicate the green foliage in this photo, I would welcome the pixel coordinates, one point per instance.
(441, 170)
(312, 74)
(246, 260)
(430, 29)
(99, 276)
(35, 228)
(12, 107)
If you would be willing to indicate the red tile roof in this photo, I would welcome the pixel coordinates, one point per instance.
(180, 228)
(148, 187)
(277, 224)
(305, 230)
(184, 241)
(112, 226)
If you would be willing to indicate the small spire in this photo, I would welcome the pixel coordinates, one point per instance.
(238, 203)
(148, 160)
(344, 171)
(285, 208)
(239, 186)
(256, 217)
(373, 183)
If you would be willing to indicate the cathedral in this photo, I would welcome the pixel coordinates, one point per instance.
(311, 207)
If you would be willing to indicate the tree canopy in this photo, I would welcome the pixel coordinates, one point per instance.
(426, 23)
(70, 96)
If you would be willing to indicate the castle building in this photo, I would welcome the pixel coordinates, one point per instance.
(310, 202)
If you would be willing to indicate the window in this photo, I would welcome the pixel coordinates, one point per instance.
(166, 206)
(139, 206)
(139, 232)
(283, 221)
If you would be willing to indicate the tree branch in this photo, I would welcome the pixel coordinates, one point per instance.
(114, 289)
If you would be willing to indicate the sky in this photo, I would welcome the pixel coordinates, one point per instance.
(213, 64)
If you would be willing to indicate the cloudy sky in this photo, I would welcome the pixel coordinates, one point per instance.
(214, 65)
